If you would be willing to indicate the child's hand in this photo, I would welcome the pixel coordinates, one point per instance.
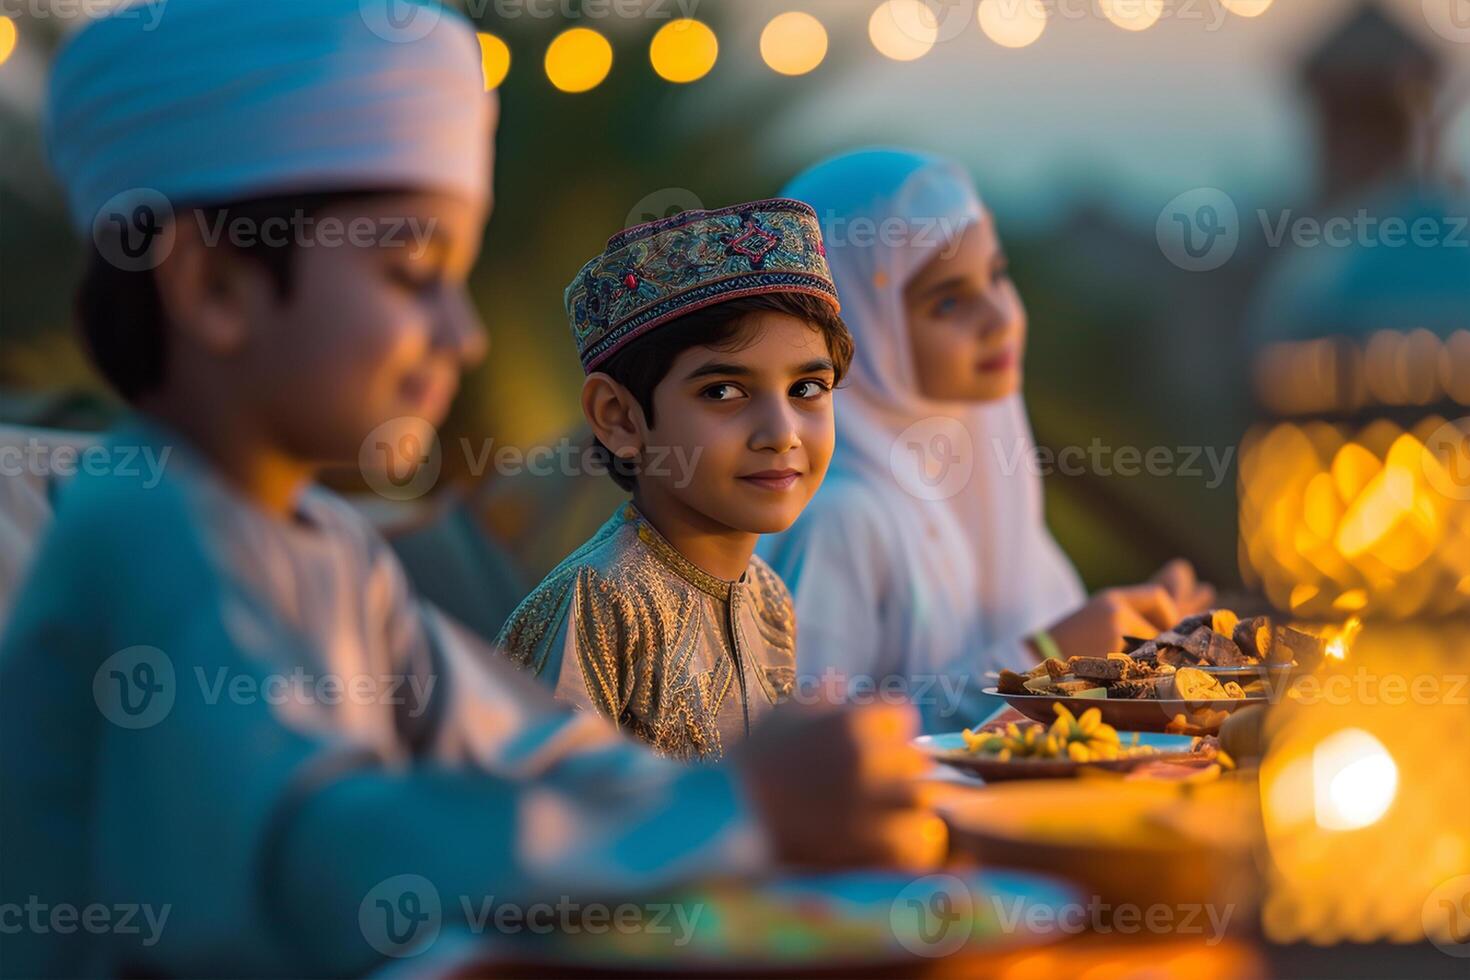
(1098, 628)
(841, 788)
(1190, 594)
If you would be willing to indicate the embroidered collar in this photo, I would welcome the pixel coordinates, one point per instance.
(681, 566)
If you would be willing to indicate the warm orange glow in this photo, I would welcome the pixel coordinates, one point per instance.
(794, 43)
(1338, 646)
(1373, 522)
(1359, 761)
(494, 60)
(1133, 15)
(8, 38)
(578, 60)
(1012, 23)
(1355, 780)
(904, 30)
(684, 51)
(1247, 8)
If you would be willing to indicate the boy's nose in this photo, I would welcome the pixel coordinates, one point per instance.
(461, 330)
(777, 430)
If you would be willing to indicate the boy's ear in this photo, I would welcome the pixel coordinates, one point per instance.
(614, 414)
(205, 290)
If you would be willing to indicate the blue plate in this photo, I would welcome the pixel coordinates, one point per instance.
(820, 923)
(949, 749)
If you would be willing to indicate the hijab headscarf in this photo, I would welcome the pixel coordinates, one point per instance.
(932, 512)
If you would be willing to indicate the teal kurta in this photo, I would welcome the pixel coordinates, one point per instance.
(252, 724)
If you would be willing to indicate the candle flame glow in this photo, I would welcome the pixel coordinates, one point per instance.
(1337, 647)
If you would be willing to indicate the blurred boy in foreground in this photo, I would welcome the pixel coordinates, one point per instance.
(219, 701)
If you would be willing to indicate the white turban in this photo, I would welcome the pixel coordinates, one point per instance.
(221, 100)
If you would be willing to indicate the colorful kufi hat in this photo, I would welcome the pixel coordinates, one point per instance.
(655, 273)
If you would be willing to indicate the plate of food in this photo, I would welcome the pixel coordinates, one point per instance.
(1072, 743)
(1186, 680)
(827, 924)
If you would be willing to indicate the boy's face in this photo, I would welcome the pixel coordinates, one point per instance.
(376, 327)
(756, 424)
(966, 323)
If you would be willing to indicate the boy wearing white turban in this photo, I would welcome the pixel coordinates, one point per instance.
(225, 722)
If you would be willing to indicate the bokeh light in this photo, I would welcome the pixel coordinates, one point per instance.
(1247, 8)
(8, 36)
(904, 30)
(1355, 780)
(494, 60)
(578, 60)
(684, 51)
(1133, 15)
(794, 43)
(1012, 23)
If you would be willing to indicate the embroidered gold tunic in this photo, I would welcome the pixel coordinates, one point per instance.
(630, 628)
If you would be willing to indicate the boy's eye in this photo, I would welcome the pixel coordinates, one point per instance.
(721, 393)
(417, 281)
(1001, 272)
(810, 389)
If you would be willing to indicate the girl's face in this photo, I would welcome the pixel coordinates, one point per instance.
(966, 322)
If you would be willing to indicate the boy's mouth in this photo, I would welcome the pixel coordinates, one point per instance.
(773, 479)
(430, 395)
(1003, 361)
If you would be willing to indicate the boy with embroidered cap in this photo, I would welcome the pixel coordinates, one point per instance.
(219, 701)
(710, 339)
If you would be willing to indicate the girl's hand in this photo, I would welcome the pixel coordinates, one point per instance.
(1190, 594)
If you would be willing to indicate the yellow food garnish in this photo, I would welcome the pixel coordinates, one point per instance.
(1079, 739)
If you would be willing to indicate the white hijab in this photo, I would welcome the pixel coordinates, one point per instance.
(965, 563)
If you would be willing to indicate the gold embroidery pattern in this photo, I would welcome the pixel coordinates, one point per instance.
(651, 634)
(775, 617)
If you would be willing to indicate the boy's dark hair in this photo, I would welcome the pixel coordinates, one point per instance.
(645, 362)
(120, 312)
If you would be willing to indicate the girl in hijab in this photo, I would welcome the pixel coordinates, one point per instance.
(925, 560)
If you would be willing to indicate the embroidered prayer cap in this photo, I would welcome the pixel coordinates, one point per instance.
(655, 273)
(211, 101)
